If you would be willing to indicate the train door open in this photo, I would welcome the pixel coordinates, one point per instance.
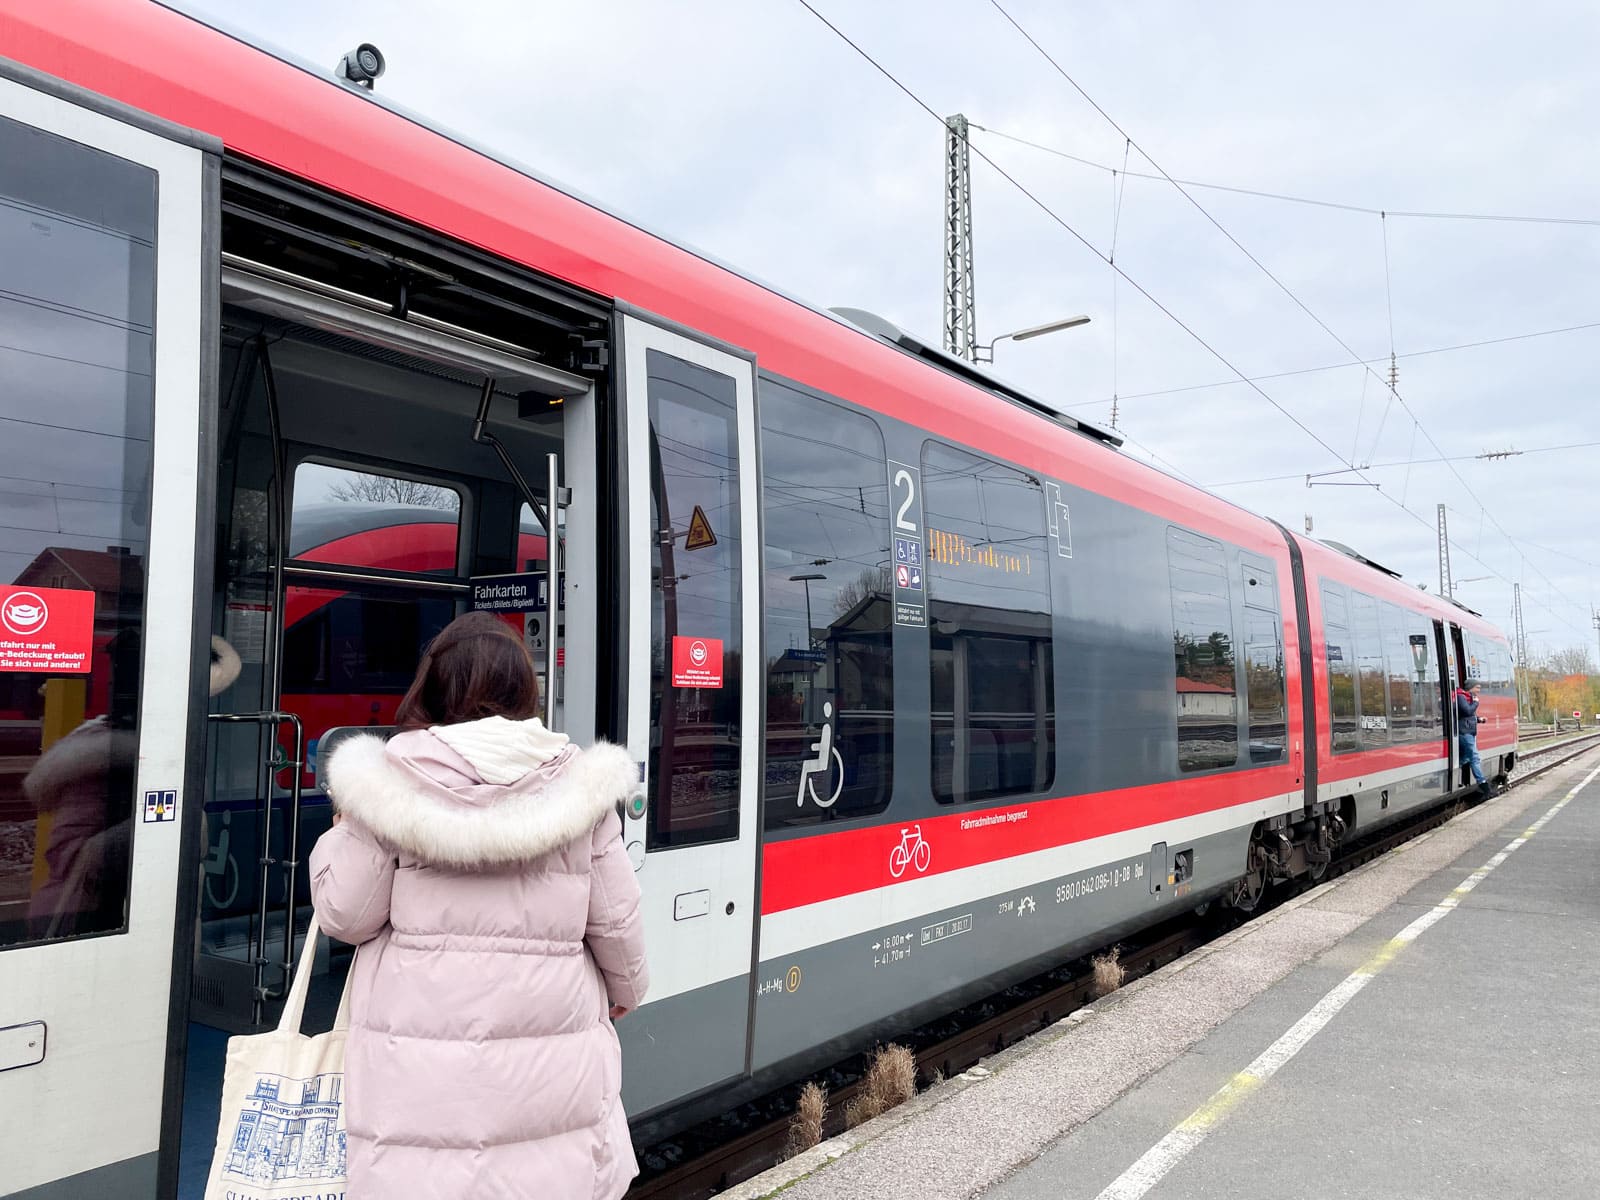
(377, 478)
(693, 703)
(104, 220)
(1453, 671)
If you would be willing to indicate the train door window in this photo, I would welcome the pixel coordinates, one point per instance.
(1401, 667)
(1263, 664)
(830, 661)
(1207, 702)
(1425, 677)
(1372, 695)
(696, 734)
(990, 629)
(77, 237)
(1341, 653)
(378, 521)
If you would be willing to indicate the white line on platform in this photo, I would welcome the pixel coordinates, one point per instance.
(1154, 1164)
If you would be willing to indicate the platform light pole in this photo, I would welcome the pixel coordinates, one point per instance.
(985, 353)
(811, 638)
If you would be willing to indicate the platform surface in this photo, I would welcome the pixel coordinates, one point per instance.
(1417, 1028)
(1467, 1066)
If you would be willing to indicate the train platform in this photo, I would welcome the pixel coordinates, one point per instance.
(1426, 1026)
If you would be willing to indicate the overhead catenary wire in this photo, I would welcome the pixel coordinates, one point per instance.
(1345, 366)
(1065, 225)
(1365, 210)
(1061, 221)
(1293, 296)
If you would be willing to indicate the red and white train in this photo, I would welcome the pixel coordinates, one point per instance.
(929, 685)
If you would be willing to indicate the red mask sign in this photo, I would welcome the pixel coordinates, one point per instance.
(46, 630)
(696, 662)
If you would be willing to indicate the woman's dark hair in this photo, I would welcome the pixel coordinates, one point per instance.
(476, 667)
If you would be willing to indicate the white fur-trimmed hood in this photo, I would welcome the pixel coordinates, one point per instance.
(428, 823)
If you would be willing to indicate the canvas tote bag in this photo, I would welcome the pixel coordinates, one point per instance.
(282, 1132)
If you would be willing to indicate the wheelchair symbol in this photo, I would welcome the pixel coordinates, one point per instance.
(827, 762)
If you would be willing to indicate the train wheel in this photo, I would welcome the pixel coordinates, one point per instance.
(1252, 886)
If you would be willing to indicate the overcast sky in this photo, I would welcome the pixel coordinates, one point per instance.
(749, 130)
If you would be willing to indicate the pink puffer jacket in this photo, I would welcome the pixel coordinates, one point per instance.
(480, 868)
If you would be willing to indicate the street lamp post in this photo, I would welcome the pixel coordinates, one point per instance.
(811, 640)
(984, 352)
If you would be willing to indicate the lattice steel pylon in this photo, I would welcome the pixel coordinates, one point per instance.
(1447, 587)
(1522, 648)
(960, 307)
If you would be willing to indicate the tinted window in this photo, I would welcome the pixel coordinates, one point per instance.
(1264, 678)
(77, 313)
(1402, 669)
(362, 519)
(1425, 706)
(830, 669)
(1202, 648)
(990, 628)
(1371, 692)
(1341, 655)
(696, 587)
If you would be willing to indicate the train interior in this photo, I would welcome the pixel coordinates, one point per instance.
(385, 443)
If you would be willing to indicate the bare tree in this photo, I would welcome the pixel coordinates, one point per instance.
(387, 489)
(1574, 660)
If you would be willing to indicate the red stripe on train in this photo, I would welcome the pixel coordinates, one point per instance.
(808, 870)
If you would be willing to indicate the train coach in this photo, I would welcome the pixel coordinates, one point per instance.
(928, 684)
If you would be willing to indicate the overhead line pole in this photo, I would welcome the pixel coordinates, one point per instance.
(960, 304)
(1522, 649)
(1447, 587)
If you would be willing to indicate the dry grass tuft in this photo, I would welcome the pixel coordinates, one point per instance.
(805, 1127)
(1108, 972)
(891, 1080)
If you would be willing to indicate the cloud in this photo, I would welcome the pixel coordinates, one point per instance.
(752, 132)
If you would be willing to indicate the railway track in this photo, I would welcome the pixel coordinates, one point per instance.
(709, 1159)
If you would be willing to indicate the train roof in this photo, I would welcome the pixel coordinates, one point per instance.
(269, 108)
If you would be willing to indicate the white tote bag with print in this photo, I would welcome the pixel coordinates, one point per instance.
(282, 1132)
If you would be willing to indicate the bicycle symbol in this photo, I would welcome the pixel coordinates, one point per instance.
(825, 751)
(912, 851)
(219, 864)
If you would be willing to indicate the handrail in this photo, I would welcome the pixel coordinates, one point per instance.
(259, 992)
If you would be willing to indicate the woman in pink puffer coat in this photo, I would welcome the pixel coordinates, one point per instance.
(477, 861)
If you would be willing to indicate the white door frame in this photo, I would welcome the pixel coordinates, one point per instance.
(687, 954)
(96, 1097)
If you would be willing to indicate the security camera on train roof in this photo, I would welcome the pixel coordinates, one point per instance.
(361, 66)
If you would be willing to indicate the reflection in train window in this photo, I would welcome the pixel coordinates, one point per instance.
(696, 728)
(1371, 692)
(830, 669)
(1341, 655)
(1202, 648)
(77, 307)
(382, 522)
(990, 629)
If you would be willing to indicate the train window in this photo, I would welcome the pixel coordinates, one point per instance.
(697, 587)
(830, 661)
(1264, 686)
(1341, 654)
(363, 519)
(1425, 705)
(990, 628)
(1402, 671)
(77, 237)
(361, 644)
(1372, 694)
(1202, 647)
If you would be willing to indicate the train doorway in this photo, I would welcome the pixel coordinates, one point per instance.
(378, 477)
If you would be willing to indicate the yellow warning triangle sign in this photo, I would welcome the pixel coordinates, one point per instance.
(700, 535)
